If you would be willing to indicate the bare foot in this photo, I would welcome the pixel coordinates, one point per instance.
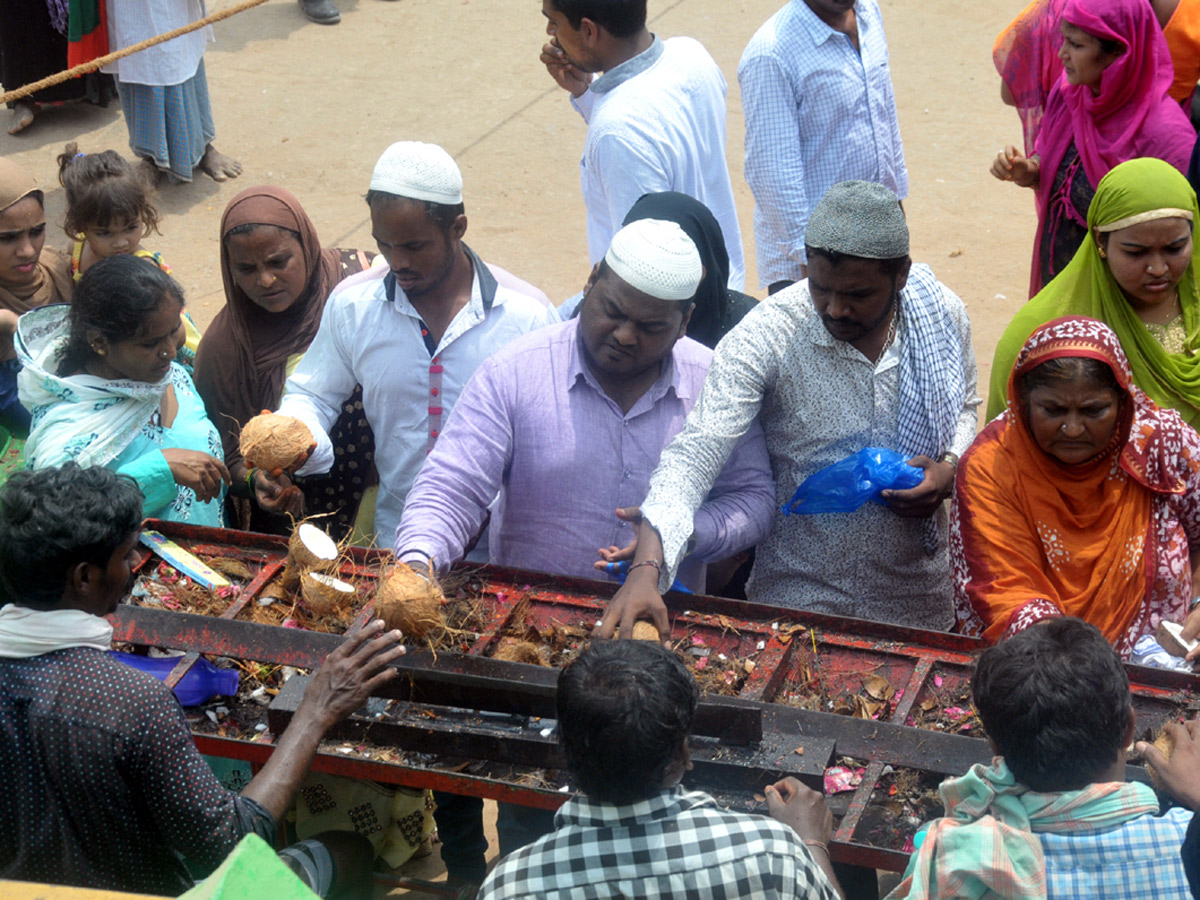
(218, 166)
(153, 173)
(24, 112)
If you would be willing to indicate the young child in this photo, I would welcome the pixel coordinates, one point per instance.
(110, 208)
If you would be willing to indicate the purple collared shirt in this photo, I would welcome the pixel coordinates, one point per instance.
(534, 427)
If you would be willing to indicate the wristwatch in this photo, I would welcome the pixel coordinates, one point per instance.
(949, 457)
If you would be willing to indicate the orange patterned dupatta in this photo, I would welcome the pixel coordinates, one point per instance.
(1081, 537)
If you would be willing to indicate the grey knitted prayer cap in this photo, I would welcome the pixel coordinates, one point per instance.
(859, 218)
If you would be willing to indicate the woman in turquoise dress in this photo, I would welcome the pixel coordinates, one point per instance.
(103, 388)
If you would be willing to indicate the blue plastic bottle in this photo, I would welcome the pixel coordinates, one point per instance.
(202, 682)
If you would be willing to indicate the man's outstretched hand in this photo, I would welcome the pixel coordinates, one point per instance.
(352, 672)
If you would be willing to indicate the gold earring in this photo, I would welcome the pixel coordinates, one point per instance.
(1103, 253)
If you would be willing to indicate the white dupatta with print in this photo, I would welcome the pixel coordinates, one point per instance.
(83, 418)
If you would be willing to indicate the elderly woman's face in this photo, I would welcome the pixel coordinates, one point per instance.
(22, 235)
(1148, 260)
(145, 357)
(1074, 420)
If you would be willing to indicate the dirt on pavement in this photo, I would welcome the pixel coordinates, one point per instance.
(311, 107)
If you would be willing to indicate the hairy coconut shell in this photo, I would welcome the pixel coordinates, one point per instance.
(511, 649)
(309, 550)
(405, 600)
(1166, 745)
(272, 441)
(645, 631)
(325, 595)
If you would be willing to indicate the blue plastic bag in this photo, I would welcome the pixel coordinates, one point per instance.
(849, 483)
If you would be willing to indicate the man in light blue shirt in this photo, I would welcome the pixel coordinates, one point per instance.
(820, 109)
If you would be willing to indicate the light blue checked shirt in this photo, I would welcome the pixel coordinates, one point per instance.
(817, 113)
(1136, 861)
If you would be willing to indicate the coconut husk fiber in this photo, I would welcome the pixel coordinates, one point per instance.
(512, 649)
(271, 441)
(407, 601)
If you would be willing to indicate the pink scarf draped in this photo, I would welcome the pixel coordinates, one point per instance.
(1131, 117)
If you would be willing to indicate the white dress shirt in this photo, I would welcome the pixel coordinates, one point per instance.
(818, 400)
(133, 21)
(370, 338)
(817, 113)
(657, 123)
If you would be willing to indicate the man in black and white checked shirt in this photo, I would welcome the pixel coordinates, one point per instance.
(625, 710)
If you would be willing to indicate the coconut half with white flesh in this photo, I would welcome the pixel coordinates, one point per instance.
(309, 550)
(325, 595)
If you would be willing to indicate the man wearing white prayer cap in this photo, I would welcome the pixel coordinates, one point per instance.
(565, 425)
(411, 332)
(870, 351)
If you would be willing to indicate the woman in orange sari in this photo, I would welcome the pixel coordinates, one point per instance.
(1083, 499)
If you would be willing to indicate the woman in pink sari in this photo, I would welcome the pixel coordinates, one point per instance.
(1109, 105)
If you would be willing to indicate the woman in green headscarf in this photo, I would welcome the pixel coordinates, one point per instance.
(1137, 274)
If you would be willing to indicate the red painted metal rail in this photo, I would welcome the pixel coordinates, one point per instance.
(889, 697)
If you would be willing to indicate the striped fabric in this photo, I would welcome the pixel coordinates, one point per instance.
(170, 125)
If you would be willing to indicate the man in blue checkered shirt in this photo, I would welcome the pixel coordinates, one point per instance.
(625, 710)
(1052, 816)
(820, 109)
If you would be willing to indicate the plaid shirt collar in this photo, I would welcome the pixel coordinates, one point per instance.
(668, 804)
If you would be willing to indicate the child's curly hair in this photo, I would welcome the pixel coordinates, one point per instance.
(103, 188)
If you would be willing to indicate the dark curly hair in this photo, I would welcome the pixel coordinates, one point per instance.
(624, 710)
(103, 188)
(1055, 699)
(114, 297)
(54, 519)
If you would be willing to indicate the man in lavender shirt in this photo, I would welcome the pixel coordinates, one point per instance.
(566, 425)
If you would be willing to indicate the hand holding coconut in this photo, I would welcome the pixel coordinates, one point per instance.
(278, 495)
(273, 446)
(275, 443)
(1175, 761)
(201, 472)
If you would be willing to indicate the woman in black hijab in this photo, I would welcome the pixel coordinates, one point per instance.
(718, 308)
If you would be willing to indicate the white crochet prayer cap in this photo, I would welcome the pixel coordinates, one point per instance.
(420, 172)
(657, 258)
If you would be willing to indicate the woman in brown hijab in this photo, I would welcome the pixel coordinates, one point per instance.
(31, 275)
(277, 279)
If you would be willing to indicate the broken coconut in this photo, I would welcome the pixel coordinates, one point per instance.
(407, 601)
(513, 649)
(272, 441)
(309, 550)
(1166, 746)
(325, 595)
